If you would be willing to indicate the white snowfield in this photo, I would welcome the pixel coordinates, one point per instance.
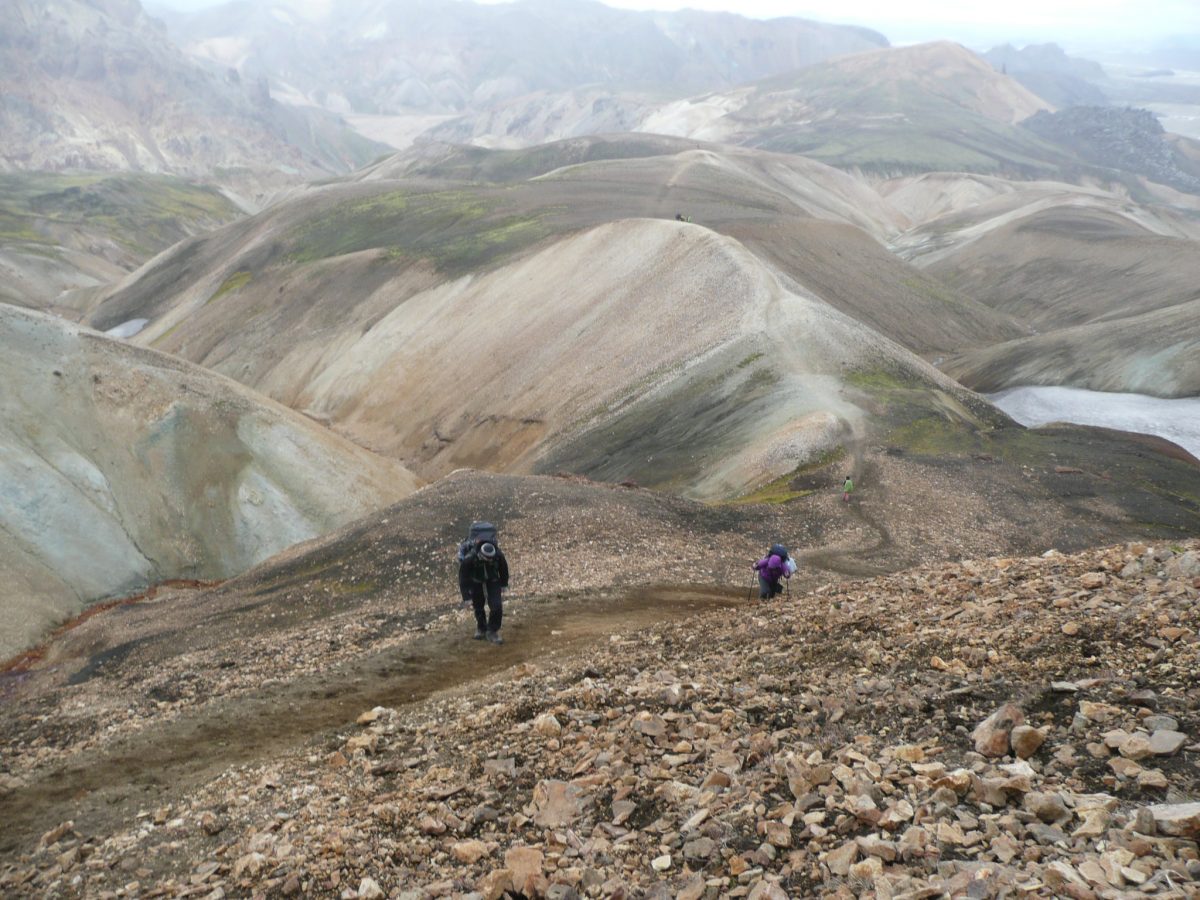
(128, 329)
(1175, 420)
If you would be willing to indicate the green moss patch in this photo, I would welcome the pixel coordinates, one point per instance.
(234, 282)
(885, 379)
(778, 492)
(802, 481)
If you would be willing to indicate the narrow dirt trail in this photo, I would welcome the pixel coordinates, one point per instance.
(776, 316)
(858, 562)
(103, 791)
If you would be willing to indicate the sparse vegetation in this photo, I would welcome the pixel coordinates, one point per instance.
(142, 213)
(798, 483)
(881, 379)
(477, 164)
(120, 219)
(234, 282)
(459, 229)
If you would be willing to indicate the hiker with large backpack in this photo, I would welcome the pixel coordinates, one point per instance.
(483, 576)
(771, 568)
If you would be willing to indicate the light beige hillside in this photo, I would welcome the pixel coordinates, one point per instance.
(340, 256)
(932, 107)
(941, 70)
(1070, 265)
(952, 210)
(120, 467)
(928, 197)
(760, 182)
(526, 323)
(497, 370)
(1106, 289)
(1155, 353)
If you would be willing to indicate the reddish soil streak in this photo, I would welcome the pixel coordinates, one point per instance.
(25, 660)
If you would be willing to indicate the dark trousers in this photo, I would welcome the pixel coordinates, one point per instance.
(768, 587)
(489, 621)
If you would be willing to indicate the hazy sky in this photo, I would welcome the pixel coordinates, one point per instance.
(1068, 21)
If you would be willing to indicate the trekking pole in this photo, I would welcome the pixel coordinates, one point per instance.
(750, 592)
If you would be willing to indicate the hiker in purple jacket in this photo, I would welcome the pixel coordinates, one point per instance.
(771, 568)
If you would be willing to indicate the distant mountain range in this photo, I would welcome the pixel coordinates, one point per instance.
(263, 95)
(454, 57)
(97, 84)
(1051, 74)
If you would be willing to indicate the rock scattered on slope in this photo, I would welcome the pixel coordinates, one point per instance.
(786, 750)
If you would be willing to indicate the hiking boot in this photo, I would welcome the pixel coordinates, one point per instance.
(480, 634)
(494, 637)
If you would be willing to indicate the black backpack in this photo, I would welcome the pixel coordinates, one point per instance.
(478, 534)
(483, 531)
(778, 550)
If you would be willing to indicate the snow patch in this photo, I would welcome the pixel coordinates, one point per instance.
(128, 329)
(1175, 420)
(227, 51)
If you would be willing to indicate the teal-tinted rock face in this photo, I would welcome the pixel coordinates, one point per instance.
(120, 467)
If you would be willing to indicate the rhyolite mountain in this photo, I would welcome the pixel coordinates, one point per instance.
(1107, 288)
(705, 358)
(928, 107)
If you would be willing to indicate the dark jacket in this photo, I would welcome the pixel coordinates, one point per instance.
(474, 568)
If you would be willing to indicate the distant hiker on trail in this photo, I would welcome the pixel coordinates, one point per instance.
(680, 217)
(847, 489)
(483, 575)
(771, 568)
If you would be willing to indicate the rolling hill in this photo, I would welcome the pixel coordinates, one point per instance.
(1153, 353)
(1070, 265)
(1106, 289)
(123, 467)
(930, 107)
(356, 302)
(61, 233)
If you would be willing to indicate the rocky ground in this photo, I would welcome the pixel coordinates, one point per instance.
(1121, 138)
(996, 727)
